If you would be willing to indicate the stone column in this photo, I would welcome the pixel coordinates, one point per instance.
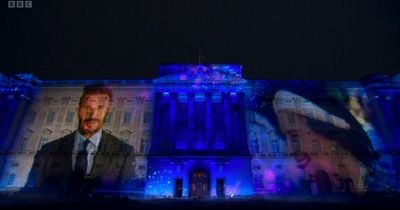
(172, 116)
(208, 122)
(228, 121)
(190, 120)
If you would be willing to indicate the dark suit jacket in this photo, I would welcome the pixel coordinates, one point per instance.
(113, 167)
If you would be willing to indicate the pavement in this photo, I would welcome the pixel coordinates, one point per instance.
(376, 201)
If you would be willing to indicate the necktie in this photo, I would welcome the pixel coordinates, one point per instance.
(81, 159)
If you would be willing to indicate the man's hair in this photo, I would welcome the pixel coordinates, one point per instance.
(96, 89)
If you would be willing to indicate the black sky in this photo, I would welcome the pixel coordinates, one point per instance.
(97, 39)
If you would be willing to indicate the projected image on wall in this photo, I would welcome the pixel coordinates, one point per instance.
(90, 139)
(200, 131)
(314, 141)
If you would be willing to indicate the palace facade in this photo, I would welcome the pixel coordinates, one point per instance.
(204, 131)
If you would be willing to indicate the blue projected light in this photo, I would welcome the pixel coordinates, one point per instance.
(199, 97)
(211, 72)
(216, 97)
(164, 172)
(202, 131)
(182, 97)
(200, 74)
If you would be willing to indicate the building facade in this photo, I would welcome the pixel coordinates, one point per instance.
(204, 131)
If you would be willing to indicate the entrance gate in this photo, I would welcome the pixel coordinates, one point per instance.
(199, 186)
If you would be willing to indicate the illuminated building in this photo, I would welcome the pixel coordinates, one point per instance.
(204, 131)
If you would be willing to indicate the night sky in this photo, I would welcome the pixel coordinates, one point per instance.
(97, 39)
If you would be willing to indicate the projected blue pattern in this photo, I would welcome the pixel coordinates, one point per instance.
(202, 76)
(160, 182)
(266, 110)
(15, 93)
(163, 174)
(216, 134)
(200, 73)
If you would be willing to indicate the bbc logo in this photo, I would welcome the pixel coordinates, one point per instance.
(19, 4)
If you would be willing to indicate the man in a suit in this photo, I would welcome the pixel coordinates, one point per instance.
(88, 160)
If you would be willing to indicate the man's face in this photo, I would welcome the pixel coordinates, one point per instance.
(92, 112)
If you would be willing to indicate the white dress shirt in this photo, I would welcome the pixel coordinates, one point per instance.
(91, 148)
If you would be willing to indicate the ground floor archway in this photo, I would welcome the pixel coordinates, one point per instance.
(323, 182)
(199, 185)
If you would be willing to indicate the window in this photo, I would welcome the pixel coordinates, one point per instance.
(275, 145)
(45, 138)
(42, 142)
(127, 117)
(253, 143)
(11, 178)
(50, 117)
(70, 117)
(296, 144)
(147, 117)
(274, 142)
(316, 146)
